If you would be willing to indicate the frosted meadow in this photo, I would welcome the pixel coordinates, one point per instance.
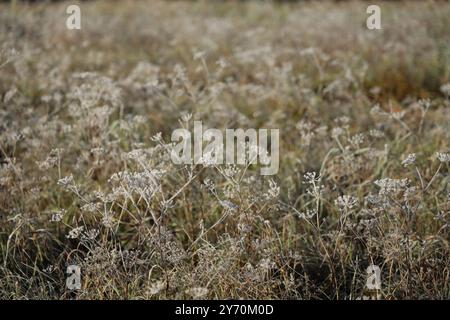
(87, 177)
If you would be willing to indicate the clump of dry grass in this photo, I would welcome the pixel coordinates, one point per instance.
(86, 176)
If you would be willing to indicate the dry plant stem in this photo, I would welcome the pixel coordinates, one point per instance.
(434, 176)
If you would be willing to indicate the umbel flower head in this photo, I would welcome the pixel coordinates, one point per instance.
(346, 202)
(443, 157)
(410, 159)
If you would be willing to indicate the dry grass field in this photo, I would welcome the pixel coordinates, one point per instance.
(86, 178)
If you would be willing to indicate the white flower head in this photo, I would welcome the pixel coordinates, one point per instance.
(222, 63)
(107, 221)
(311, 177)
(346, 202)
(58, 216)
(186, 116)
(157, 137)
(336, 132)
(91, 234)
(443, 157)
(274, 190)
(410, 159)
(375, 133)
(308, 214)
(199, 55)
(208, 159)
(388, 185)
(75, 232)
(66, 181)
(445, 89)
